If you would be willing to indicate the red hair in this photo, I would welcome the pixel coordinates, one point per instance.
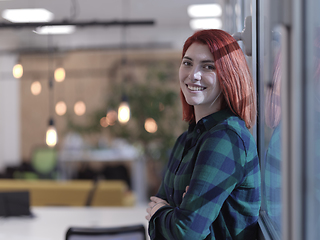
(232, 73)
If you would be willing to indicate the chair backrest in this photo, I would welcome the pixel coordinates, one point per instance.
(44, 160)
(134, 232)
(15, 203)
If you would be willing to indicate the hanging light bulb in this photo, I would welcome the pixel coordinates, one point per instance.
(150, 125)
(36, 88)
(103, 122)
(59, 74)
(124, 111)
(51, 135)
(79, 108)
(61, 108)
(17, 71)
(111, 117)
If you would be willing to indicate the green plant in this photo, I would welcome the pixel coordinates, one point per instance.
(152, 90)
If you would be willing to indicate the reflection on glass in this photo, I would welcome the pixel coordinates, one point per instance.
(272, 167)
(317, 124)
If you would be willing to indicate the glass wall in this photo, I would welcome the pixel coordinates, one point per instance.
(288, 127)
(268, 77)
(312, 118)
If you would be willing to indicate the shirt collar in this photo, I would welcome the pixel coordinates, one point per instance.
(212, 120)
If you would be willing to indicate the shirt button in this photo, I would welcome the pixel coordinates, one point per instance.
(198, 130)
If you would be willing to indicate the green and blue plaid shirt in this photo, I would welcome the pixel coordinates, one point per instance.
(217, 158)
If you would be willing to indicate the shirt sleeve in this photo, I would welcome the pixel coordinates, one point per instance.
(161, 192)
(219, 167)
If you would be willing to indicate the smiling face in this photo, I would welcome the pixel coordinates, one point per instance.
(198, 80)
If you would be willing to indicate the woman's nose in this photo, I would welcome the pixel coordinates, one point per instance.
(195, 75)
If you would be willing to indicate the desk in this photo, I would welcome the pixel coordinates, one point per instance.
(51, 223)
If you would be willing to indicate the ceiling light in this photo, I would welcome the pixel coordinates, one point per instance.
(36, 88)
(27, 15)
(205, 23)
(59, 74)
(79, 108)
(17, 71)
(204, 10)
(150, 125)
(111, 117)
(124, 112)
(51, 135)
(61, 108)
(104, 122)
(63, 29)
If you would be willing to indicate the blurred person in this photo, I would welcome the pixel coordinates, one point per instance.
(211, 187)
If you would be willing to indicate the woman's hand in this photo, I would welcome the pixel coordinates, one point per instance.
(154, 205)
(187, 188)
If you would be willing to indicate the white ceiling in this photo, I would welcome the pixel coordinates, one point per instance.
(171, 23)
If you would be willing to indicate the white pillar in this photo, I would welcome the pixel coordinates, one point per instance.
(9, 113)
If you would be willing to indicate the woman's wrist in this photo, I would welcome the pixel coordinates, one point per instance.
(157, 206)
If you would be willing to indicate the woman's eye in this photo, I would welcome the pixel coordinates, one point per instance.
(210, 67)
(186, 63)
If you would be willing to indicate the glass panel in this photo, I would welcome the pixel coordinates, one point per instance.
(316, 132)
(272, 129)
(269, 77)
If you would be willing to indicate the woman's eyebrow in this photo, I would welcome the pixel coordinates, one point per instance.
(189, 58)
(204, 61)
(207, 61)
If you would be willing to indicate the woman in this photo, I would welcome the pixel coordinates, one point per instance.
(211, 189)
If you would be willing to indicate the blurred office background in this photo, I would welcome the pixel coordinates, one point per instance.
(92, 108)
(72, 73)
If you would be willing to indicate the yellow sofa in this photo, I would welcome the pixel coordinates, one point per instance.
(72, 192)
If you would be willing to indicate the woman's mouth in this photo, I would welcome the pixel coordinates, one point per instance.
(195, 88)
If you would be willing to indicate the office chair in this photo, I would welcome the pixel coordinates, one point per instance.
(134, 232)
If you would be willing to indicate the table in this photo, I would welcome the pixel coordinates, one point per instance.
(51, 223)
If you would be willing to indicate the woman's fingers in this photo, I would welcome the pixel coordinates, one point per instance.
(187, 188)
(156, 199)
(151, 204)
(154, 205)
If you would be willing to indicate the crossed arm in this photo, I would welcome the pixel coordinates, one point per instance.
(156, 203)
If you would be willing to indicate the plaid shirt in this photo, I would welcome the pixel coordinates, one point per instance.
(217, 158)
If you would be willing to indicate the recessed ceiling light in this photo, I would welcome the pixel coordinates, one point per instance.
(27, 15)
(204, 10)
(63, 29)
(205, 23)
